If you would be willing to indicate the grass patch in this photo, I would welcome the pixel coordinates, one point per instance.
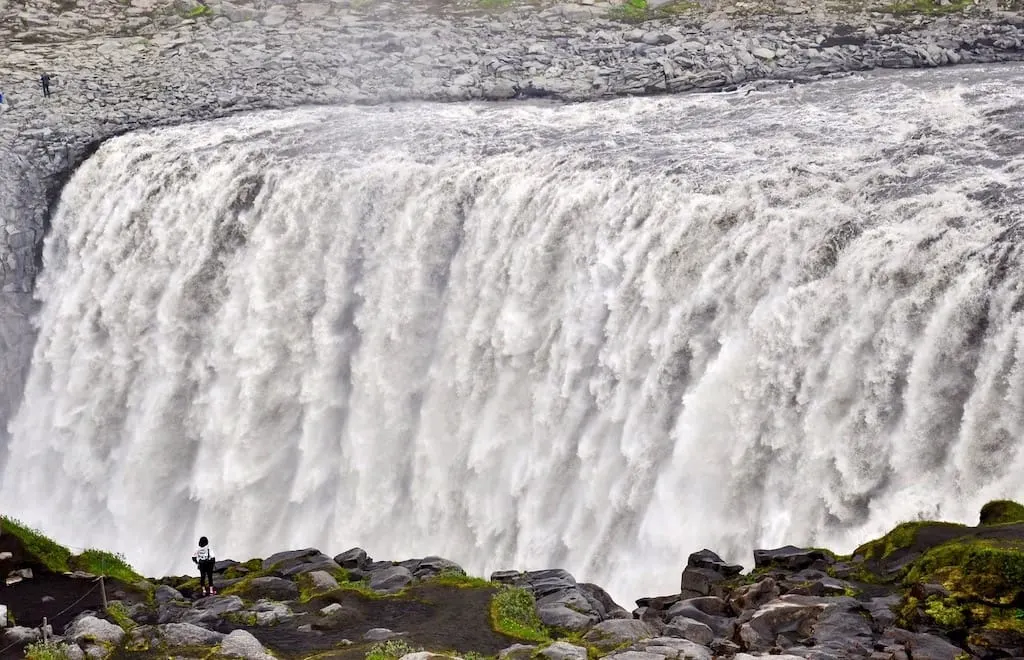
(52, 555)
(460, 580)
(118, 613)
(197, 12)
(927, 7)
(988, 571)
(632, 11)
(46, 651)
(1001, 512)
(495, 4)
(390, 650)
(514, 613)
(101, 562)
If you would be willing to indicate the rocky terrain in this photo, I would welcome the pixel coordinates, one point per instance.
(925, 590)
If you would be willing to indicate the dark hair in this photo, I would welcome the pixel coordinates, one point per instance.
(203, 542)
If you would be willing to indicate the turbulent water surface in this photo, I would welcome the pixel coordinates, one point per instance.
(597, 336)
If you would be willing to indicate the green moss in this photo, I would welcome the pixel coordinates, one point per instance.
(52, 555)
(118, 613)
(242, 618)
(514, 613)
(196, 12)
(907, 612)
(1000, 512)
(945, 612)
(1006, 619)
(989, 571)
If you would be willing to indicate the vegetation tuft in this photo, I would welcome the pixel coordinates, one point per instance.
(1001, 512)
(390, 650)
(514, 613)
(46, 651)
(52, 555)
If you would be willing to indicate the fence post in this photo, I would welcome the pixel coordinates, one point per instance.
(46, 635)
(103, 590)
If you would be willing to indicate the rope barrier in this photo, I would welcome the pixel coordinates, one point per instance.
(83, 597)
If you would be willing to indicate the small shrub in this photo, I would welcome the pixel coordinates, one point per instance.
(514, 613)
(390, 650)
(46, 651)
(1000, 512)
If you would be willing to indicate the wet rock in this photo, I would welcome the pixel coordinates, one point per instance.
(271, 588)
(711, 561)
(753, 596)
(702, 581)
(323, 581)
(695, 631)
(922, 645)
(242, 644)
(165, 594)
(187, 634)
(563, 651)
(793, 616)
(91, 629)
(354, 558)
(380, 634)
(790, 558)
(517, 652)
(611, 634)
(18, 634)
(391, 579)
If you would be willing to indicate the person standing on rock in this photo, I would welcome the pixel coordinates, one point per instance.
(45, 79)
(204, 558)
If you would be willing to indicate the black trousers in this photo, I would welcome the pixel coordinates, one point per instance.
(206, 573)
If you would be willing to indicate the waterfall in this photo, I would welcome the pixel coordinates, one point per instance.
(599, 336)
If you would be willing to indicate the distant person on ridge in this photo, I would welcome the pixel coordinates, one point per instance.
(204, 558)
(45, 79)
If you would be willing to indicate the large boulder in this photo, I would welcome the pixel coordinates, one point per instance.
(789, 618)
(241, 644)
(187, 634)
(354, 558)
(685, 628)
(693, 608)
(602, 602)
(701, 582)
(613, 633)
(391, 579)
(322, 581)
(429, 567)
(269, 613)
(271, 588)
(753, 596)
(709, 560)
(791, 558)
(210, 609)
(91, 629)
(282, 560)
(165, 594)
(659, 648)
(563, 651)
(3, 616)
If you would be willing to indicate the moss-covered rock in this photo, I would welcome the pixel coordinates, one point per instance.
(1001, 512)
(989, 571)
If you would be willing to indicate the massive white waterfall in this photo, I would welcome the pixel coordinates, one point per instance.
(596, 336)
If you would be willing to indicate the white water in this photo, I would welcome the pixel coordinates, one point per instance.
(597, 336)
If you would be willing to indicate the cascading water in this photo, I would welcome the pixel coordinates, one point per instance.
(596, 336)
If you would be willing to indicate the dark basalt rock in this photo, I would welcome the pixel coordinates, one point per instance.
(791, 558)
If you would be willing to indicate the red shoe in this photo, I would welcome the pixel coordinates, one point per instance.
(213, 592)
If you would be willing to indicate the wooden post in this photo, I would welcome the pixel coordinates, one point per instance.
(46, 635)
(103, 590)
